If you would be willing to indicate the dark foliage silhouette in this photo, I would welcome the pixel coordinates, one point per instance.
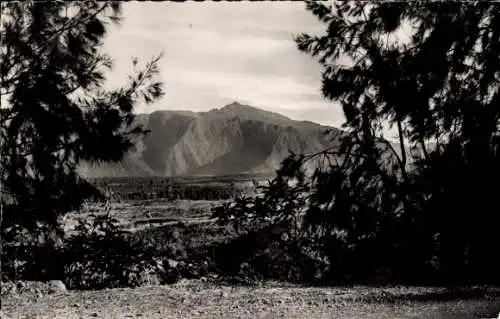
(101, 255)
(56, 110)
(427, 211)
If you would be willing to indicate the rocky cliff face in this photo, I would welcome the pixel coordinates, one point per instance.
(235, 139)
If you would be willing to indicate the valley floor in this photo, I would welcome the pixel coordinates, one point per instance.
(195, 299)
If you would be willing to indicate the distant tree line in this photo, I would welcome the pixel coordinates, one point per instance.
(161, 188)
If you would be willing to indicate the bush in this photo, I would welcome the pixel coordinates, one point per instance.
(266, 253)
(31, 255)
(271, 240)
(101, 256)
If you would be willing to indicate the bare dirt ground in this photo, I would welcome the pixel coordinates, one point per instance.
(196, 299)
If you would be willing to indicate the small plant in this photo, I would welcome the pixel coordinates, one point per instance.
(100, 255)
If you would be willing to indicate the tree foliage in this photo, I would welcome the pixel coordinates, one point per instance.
(426, 204)
(56, 108)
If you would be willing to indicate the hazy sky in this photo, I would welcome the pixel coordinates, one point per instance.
(215, 53)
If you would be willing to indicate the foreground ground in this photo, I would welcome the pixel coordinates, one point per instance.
(153, 220)
(195, 299)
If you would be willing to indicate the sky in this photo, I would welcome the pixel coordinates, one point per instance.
(219, 52)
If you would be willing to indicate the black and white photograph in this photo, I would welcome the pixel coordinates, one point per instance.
(250, 159)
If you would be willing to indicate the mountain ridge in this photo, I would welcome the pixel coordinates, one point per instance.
(234, 139)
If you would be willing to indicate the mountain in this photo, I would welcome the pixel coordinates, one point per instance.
(235, 139)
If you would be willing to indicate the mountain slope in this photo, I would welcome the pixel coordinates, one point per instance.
(235, 139)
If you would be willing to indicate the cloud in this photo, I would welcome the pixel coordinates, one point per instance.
(215, 53)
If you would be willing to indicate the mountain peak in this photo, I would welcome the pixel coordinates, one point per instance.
(234, 104)
(213, 143)
(237, 109)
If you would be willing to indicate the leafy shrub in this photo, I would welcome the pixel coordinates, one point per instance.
(271, 241)
(31, 255)
(100, 255)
